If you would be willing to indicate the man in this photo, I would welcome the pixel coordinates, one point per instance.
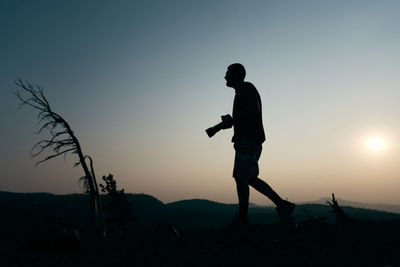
(248, 138)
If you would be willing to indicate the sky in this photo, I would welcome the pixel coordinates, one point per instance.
(140, 81)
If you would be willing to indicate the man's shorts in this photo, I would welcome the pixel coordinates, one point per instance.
(246, 160)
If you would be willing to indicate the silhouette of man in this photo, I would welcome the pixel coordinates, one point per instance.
(248, 138)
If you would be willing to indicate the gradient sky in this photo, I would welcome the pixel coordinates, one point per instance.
(140, 81)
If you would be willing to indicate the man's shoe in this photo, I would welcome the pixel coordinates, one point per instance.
(285, 211)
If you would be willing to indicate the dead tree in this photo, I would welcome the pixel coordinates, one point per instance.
(62, 140)
(341, 217)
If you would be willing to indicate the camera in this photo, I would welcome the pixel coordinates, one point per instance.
(227, 122)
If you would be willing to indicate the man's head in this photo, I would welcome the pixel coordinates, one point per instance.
(235, 74)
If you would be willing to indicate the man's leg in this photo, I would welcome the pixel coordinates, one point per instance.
(284, 208)
(266, 190)
(242, 188)
(246, 167)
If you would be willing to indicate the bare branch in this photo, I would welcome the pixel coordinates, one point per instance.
(43, 115)
(62, 144)
(55, 145)
(54, 155)
(47, 124)
(91, 165)
(36, 100)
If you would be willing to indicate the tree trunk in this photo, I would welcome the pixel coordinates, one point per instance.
(96, 214)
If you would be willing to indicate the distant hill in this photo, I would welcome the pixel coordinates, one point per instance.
(203, 205)
(19, 208)
(371, 206)
(198, 209)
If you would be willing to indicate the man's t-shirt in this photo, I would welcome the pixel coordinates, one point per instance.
(247, 115)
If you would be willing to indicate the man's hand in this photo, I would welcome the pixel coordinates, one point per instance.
(227, 121)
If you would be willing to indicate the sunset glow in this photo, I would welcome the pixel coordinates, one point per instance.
(375, 144)
(139, 82)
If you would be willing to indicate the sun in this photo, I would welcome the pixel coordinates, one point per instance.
(375, 144)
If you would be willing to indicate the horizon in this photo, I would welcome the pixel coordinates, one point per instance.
(140, 82)
(314, 201)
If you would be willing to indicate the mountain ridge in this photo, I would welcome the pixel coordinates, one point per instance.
(392, 208)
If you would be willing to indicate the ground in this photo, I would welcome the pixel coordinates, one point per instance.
(360, 243)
